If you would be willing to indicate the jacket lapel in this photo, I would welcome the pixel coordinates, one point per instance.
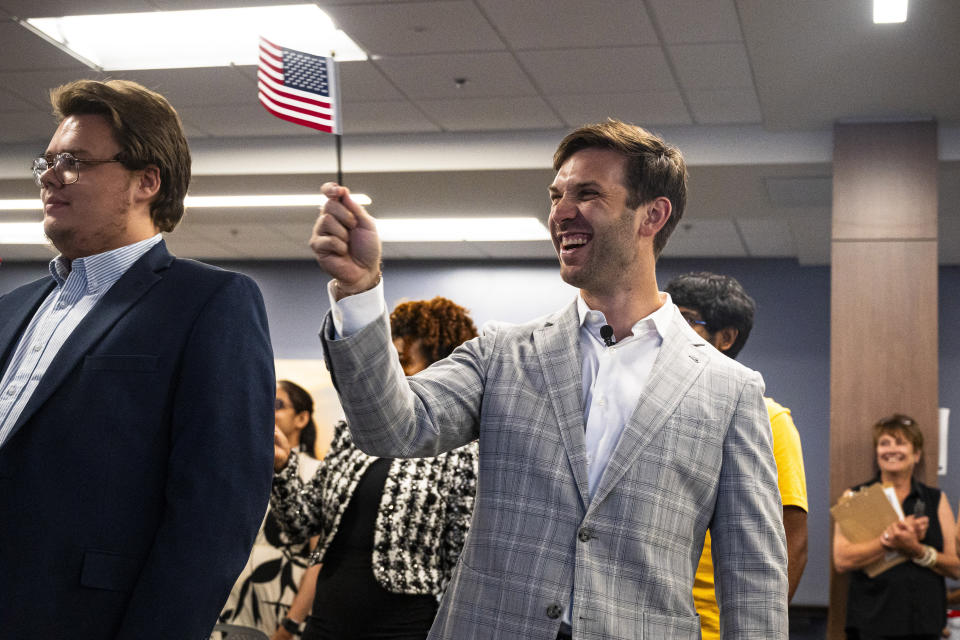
(131, 286)
(679, 363)
(555, 342)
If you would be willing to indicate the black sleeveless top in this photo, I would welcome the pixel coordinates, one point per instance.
(349, 603)
(906, 599)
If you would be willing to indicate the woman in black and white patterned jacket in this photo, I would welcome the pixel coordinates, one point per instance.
(390, 530)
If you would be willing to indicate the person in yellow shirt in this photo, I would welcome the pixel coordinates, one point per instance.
(721, 312)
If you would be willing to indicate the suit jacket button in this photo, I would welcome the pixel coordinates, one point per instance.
(554, 611)
(584, 534)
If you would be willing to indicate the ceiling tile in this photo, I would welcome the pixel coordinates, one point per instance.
(541, 24)
(711, 66)
(233, 121)
(12, 102)
(767, 238)
(24, 50)
(684, 21)
(433, 250)
(740, 190)
(816, 62)
(416, 27)
(434, 76)
(364, 81)
(27, 127)
(725, 106)
(202, 86)
(484, 114)
(55, 8)
(397, 116)
(34, 86)
(610, 70)
(184, 5)
(193, 132)
(811, 231)
(650, 108)
(26, 253)
(800, 191)
(225, 217)
(185, 245)
(705, 238)
(22, 188)
(298, 233)
(242, 240)
(529, 249)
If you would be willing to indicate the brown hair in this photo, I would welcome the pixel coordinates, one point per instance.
(441, 325)
(147, 129)
(653, 168)
(901, 424)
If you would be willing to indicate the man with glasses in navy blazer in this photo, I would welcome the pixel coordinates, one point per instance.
(611, 435)
(136, 394)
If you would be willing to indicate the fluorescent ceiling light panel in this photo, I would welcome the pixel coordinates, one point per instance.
(889, 11)
(31, 204)
(199, 38)
(22, 233)
(460, 229)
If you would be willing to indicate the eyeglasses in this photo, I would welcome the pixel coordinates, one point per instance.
(693, 322)
(897, 421)
(65, 166)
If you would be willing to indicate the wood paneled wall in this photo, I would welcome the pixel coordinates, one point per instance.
(883, 330)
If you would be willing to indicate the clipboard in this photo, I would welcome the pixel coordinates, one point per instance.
(863, 516)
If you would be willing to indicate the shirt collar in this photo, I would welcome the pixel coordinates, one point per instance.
(658, 322)
(101, 269)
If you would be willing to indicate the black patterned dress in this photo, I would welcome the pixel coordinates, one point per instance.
(391, 533)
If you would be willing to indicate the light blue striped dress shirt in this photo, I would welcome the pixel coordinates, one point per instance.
(80, 285)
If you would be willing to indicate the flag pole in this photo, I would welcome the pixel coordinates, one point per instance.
(336, 88)
(339, 164)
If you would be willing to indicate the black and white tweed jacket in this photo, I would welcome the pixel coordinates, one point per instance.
(422, 521)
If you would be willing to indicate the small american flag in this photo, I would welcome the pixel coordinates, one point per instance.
(299, 87)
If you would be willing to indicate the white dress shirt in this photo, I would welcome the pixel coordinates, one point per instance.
(613, 377)
(80, 284)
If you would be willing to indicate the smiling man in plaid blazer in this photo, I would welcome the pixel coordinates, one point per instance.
(611, 435)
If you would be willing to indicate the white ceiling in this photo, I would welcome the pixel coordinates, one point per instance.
(748, 89)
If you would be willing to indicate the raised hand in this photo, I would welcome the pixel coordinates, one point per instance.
(346, 243)
(281, 450)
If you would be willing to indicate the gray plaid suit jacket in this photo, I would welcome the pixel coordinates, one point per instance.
(696, 453)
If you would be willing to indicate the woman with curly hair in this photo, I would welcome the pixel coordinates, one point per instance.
(390, 530)
(425, 331)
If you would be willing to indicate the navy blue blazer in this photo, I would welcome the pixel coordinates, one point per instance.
(134, 482)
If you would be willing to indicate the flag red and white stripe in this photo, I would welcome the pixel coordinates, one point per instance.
(299, 87)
